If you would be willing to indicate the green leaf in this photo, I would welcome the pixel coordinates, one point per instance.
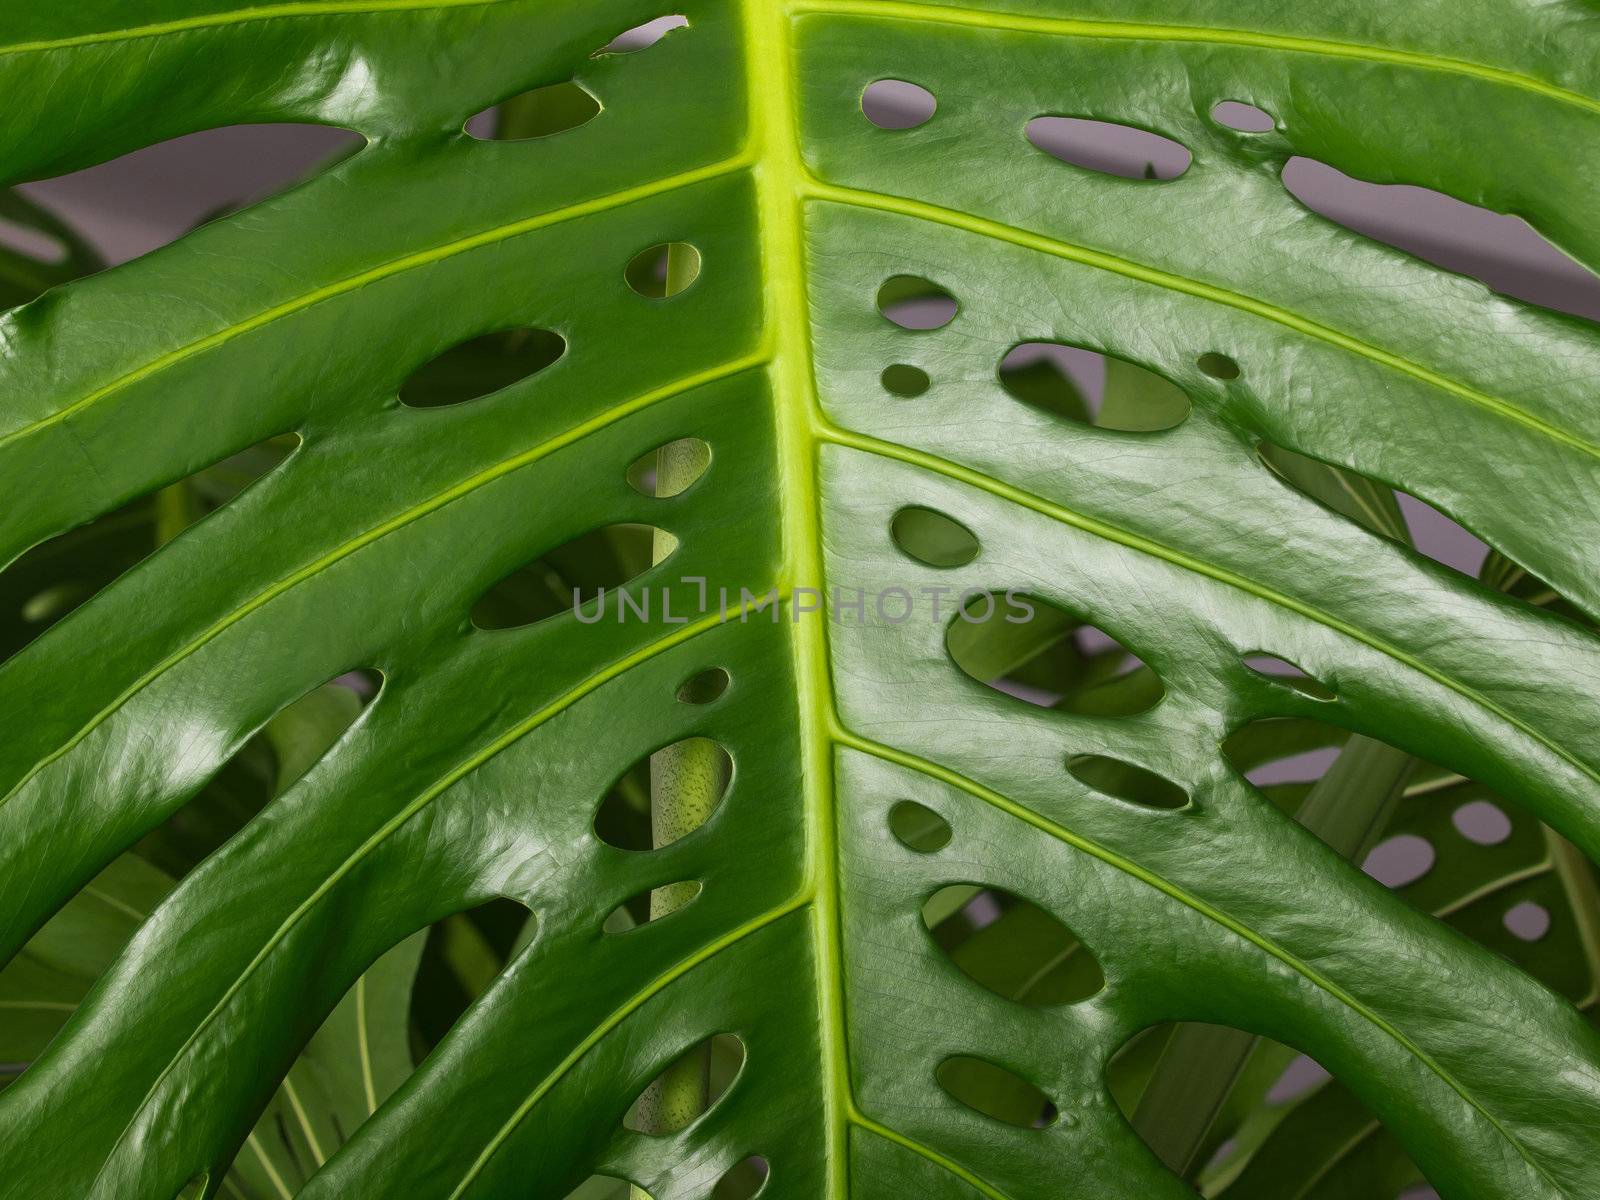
(477, 772)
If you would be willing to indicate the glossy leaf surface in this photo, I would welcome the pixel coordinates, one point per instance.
(477, 770)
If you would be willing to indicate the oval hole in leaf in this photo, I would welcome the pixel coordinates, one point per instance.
(53, 578)
(902, 379)
(670, 470)
(744, 1181)
(462, 956)
(1246, 118)
(664, 270)
(1401, 517)
(704, 687)
(688, 1088)
(1011, 946)
(482, 366)
(1501, 251)
(917, 827)
(642, 37)
(651, 905)
(166, 189)
(896, 104)
(1034, 651)
(1482, 822)
(572, 576)
(538, 113)
(1400, 861)
(932, 538)
(915, 303)
(1218, 366)
(625, 816)
(1092, 388)
(1281, 670)
(1109, 148)
(1126, 781)
(1528, 921)
(995, 1092)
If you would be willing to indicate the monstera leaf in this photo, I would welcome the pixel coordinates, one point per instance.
(684, 321)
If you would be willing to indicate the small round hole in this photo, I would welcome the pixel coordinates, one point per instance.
(904, 380)
(895, 104)
(912, 302)
(1400, 861)
(933, 538)
(663, 270)
(1482, 822)
(705, 687)
(917, 827)
(670, 470)
(1218, 366)
(1246, 118)
(1528, 921)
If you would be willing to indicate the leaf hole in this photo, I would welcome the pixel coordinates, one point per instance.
(744, 1180)
(917, 827)
(994, 1091)
(55, 577)
(902, 379)
(627, 817)
(574, 577)
(461, 956)
(915, 303)
(705, 687)
(932, 538)
(670, 470)
(1399, 861)
(688, 1087)
(1218, 366)
(1278, 752)
(664, 270)
(1126, 781)
(1092, 388)
(1246, 118)
(149, 197)
(1011, 946)
(895, 104)
(1482, 823)
(1527, 921)
(642, 37)
(1282, 671)
(482, 366)
(537, 113)
(1111, 149)
(1501, 251)
(652, 905)
(1034, 651)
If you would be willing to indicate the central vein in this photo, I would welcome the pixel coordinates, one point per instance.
(780, 189)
